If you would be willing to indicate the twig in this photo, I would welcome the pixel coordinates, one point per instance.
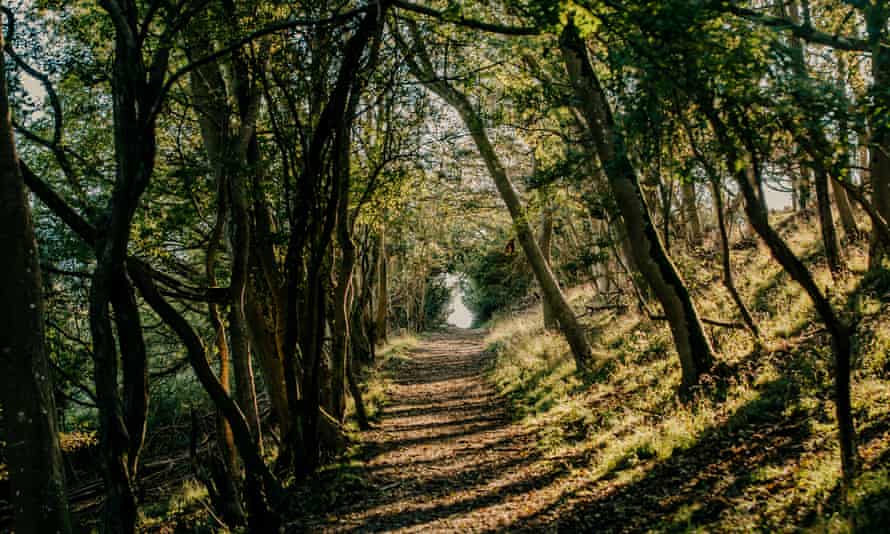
(712, 322)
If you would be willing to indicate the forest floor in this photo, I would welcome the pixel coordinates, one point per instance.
(497, 431)
(446, 454)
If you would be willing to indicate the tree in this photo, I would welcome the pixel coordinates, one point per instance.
(36, 471)
(422, 69)
(693, 346)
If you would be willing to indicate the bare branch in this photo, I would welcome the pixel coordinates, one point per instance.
(803, 31)
(460, 20)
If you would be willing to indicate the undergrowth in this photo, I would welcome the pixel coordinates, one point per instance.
(343, 480)
(755, 449)
(374, 378)
(186, 505)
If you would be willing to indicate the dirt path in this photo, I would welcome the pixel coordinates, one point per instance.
(447, 456)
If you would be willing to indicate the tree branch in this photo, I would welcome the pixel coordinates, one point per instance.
(803, 31)
(460, 20)
(89, 234)
(57, 204)
(238, 43)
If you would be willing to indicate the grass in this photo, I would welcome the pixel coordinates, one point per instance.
(754, 450)
(374, 378)
(186, 510)
(344, 480)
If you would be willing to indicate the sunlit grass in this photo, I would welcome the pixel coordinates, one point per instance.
(624, 418)
(187, 509)
(375, 378)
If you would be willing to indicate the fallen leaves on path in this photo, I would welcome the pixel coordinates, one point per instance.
(448, 456)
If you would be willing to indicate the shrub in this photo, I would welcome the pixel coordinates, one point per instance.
(493, 282)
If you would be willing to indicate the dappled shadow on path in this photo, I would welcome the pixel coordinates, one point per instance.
(447, 455)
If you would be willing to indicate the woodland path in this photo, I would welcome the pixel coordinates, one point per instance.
(446, 455)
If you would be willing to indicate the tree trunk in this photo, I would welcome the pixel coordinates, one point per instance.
(845, 212)
(245, 386)
(266, 325)
(572, 329)
(312, 348)
(801, 186)
(261, 486)
(818, 148)
(365, 339)
(625, 256)
(725, 251)
(382, 300)
(696, 355)
(826, 222)
(726, 262)
(649, 186)
(227, 149)
(690, 210)
(239, 234)
(840, 333)
(36, 471)
(879, 150)
(305, 333)
(135, 146)
(361, 414)
(228, 501)
(565, 316)
(545, 238)
(264, 346)
(844, 208)
(208, 90)
(135, 369)
(120, 515)
(340, 342)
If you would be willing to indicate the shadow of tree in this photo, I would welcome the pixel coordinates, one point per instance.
(696, 484)
(732, 466)
(446, 447)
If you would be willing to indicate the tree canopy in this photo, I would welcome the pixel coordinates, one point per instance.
(236, 204)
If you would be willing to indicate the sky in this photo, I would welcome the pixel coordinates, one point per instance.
(32, 86)
(777, 200)
(460, 316)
